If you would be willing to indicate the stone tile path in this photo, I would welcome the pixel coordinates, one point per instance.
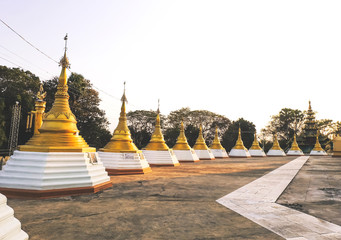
(256, 201)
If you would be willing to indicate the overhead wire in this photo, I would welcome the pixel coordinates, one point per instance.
(108, 94)
(28, 41)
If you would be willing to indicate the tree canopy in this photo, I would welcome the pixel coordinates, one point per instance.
(21, 86)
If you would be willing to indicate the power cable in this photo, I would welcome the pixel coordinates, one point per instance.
(28, 41)
(26, 60)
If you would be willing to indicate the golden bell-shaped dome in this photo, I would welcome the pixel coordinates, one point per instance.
(216, 142)
(200, 144)
(157, 142)
(239, 142)
(58, 132)
(181, 142)
(121, 140)
(294, 145)
(317, 146)
(255, 144)
(276, 145)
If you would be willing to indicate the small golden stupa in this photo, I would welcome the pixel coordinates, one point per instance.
(201, 149)
(181, 142)
(157, 141)
(38, 112)
(337, 146)
(157, 152)
(317, 150)
(295, 149)
(182, 150)
(216, 148)
(276, 150)
(56, 161)
(58, 132)
(255, 150)
(120, 155)
(239, 150)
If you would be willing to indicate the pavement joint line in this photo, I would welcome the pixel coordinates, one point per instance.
(257, 202)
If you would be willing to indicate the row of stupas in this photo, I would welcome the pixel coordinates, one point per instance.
(57, 161)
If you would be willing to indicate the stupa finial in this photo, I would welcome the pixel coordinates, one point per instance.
(216, 142)
(124, 98)
(309, 105)
(158, 106)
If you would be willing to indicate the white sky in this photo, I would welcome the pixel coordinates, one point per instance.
(236, 58)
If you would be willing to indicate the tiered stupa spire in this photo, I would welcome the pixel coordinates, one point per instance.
(121, 140)
(157, 141)
(216, 148)
(295, 149)
(276, 149)
(201, 149)
(157, 152)
(239, 150)
(181, 142)
(59, 132)
(256, 150)
(182, 150)
(309, 130)
(318, 150)
(57, 161)
(120, 155)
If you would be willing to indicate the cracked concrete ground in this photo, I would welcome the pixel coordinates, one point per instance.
(169, 203)
(316, 189)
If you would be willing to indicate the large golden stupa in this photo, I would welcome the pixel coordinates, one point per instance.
(201, 149)
(58, 132)
(239, 150)
(157, 152)
(120, 155)
(56, 161)
(216, 148)
(182, 150)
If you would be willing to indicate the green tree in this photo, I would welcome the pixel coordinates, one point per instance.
(231, 134)
(192, 121)
(2, 122)
(141, 124)
(84, 103)
(21, 86)
(285, 123)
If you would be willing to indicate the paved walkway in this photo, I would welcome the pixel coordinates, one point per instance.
(256, 201)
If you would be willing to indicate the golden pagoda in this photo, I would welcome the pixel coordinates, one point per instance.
(38, 113)
(216, 148)
(56, 161)
(276, 150)
(182, 150)
(120, 155)
(201, 149)
(317, 150)
(255, 150)
(157, 152)
(295, 149)
(58, 132)
(239, 150)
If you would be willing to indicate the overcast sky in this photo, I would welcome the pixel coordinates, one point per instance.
(236, 58)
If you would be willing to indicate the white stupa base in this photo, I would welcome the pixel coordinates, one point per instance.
(52, 174)
(124, 163)
(204, 154)
(257, 153)
(186, 155)
(295, 153)
(219, 153)
(276, 153)
(161, 158)
(10, 227)
(318, 153)
(239, 153)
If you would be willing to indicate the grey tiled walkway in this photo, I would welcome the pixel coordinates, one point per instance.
(256, 201)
